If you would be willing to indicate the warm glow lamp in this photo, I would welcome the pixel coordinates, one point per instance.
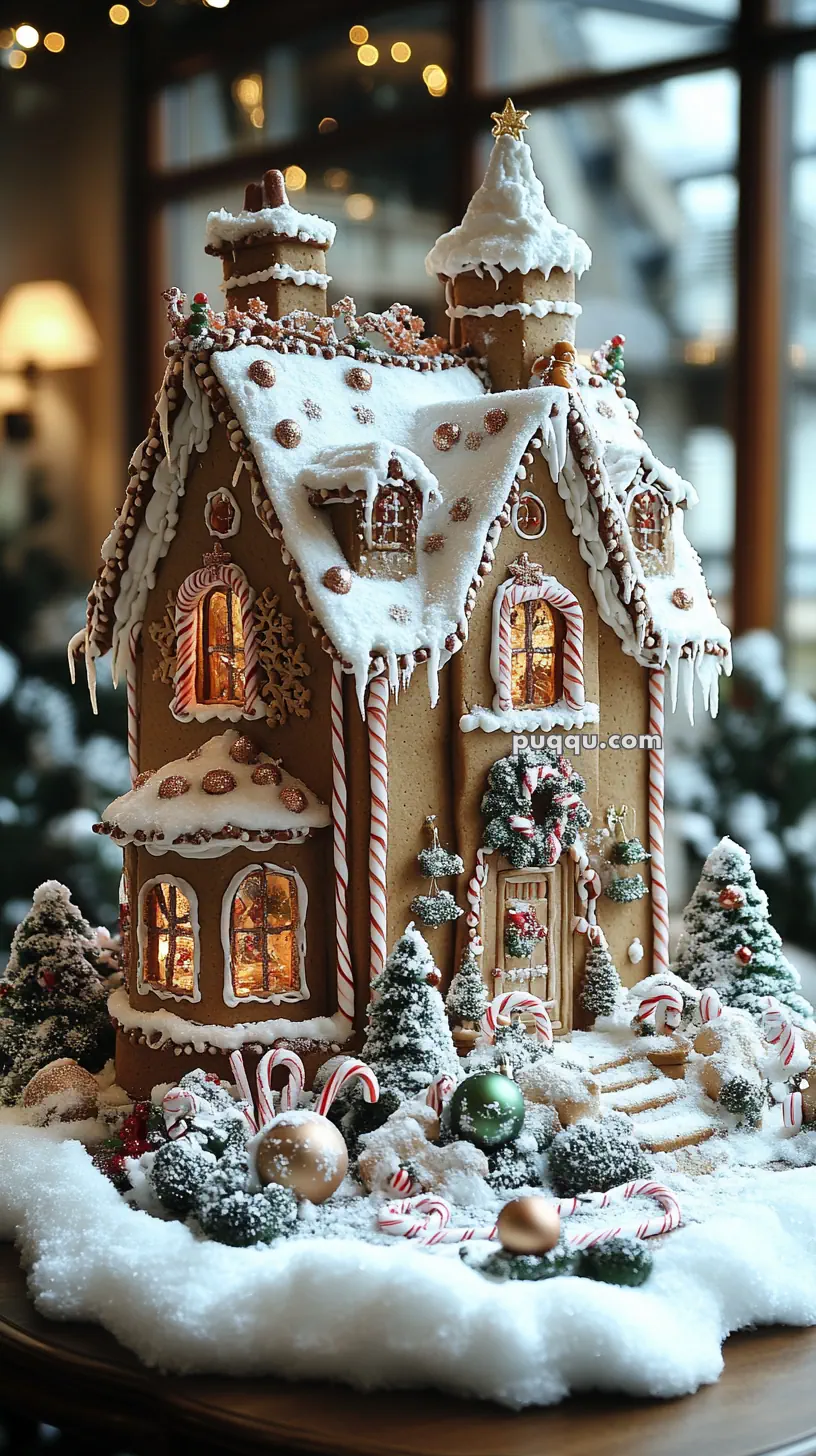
(45, 325)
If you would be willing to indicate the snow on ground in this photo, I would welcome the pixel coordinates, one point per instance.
(387, 1314)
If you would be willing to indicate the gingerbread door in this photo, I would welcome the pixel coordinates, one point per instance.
(534, 938)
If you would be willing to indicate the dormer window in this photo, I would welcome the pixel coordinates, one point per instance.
(649, 518)
(374, 498)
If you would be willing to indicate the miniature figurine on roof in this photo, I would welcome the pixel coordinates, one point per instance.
(323, 505)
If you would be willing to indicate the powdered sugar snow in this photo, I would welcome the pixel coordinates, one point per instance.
(387, 1314)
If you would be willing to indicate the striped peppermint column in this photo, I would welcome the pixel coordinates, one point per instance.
(132, 705)
(377, 718)
(657, 778)
(345, 977)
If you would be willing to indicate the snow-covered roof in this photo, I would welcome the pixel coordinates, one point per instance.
(223, 795)
(344, 408)
(508, 224)
(285, 221)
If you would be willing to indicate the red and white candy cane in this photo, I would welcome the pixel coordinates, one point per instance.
(345, 976)
(792, 1111)
(657, 791)
(782, 1035)
(663, 1006)
(475, 891)
(349, 1070)
(510, 595)
(523, 825)
(290, 1094)
(377, 720)
(710, 1005)
(439, 1091)
(132, 696)
(236, 1062)
(427, 1219)
(179, 1105)
(511, 1001)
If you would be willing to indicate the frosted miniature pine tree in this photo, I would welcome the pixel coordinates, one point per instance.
(408, 1041)
(728, 941)
(53, 1001)
(601, 983)
(467, 998)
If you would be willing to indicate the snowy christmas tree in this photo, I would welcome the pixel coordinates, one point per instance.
(728, 941)
(53, 1000)
(601, 983)
(467, 998)
(408, 1041)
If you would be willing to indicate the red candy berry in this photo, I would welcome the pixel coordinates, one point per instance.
(618, 340)
(200, 298)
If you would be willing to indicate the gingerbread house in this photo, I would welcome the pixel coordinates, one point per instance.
(364, 580)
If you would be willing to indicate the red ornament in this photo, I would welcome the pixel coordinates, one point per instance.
(4, 990)
(200, 298)
(732, 897)
(433, 977)
(744, 955)
(48, 979)
(618, 340)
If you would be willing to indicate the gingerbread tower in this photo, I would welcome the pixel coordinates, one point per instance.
(509, 268)
(269, 250)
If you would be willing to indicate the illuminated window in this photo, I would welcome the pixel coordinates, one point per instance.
(220, 660)
(649, 523)
(533, 655)
(168, 941)
(264, 922)
(394, 521)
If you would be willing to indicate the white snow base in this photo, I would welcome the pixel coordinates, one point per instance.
(392, 1315)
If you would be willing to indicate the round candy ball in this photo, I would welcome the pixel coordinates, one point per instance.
(487, 1109)
(76, 1088)
(304, 1152)
(529, 1226)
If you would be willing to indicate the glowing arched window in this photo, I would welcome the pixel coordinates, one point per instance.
(264, 923)
(394, 520)
(649, 521)
(168, 941)
(534, 655)
(220, 658)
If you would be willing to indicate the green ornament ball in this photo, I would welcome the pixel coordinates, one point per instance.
(487, 1109)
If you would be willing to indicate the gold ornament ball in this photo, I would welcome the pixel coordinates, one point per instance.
(61, 1077)
(304, 1152)
(529, 1225)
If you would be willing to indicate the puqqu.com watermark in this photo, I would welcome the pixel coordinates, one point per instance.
(577, 743)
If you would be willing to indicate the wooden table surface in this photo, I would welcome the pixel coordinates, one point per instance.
(765, 1402)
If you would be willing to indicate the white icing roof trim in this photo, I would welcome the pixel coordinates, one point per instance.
(508, 225)
(529, 720)
(284, 221)
(248, 806)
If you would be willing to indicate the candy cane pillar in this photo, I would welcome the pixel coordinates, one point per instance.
(660, 896)
(376, 718)
(345, 977)
(132, 705)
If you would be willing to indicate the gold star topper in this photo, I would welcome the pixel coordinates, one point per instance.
(509, 122)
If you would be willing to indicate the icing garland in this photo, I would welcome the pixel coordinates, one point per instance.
(283, 272)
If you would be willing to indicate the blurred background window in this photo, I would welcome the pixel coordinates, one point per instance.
(677, 136)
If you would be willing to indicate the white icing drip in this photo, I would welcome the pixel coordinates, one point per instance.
(283, 272)
(529, 720)
(508, 224)
(284, 221)
(539, 308)
(163, 1027)
(190, 434)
